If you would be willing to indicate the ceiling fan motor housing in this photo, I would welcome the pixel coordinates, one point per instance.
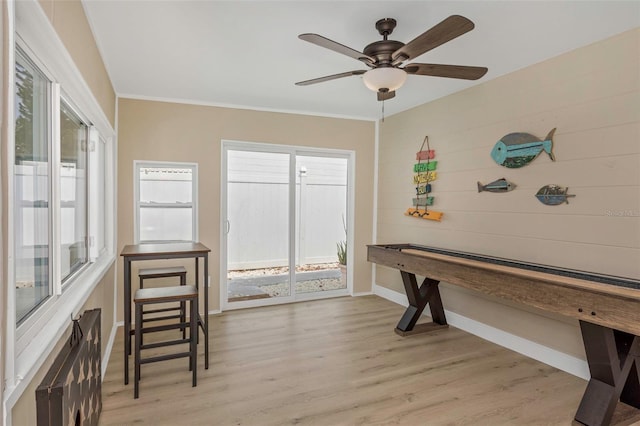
(381, 51)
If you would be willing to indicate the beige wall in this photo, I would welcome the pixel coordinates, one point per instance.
(70, 23)
(162, 131)
(592, 96)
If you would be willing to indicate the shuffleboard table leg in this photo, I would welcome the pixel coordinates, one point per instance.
(614, 364)
(418, 298)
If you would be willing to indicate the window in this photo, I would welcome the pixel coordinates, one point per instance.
(51, 182)
(32, 186)
(166, 195)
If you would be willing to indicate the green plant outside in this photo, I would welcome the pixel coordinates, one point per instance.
(342, 252)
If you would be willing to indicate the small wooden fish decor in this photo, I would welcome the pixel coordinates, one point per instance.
(500, 185)
(424, 174)
(552, 195)
(519, 149)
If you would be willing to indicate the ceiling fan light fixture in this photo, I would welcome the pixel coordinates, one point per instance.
(384, 78)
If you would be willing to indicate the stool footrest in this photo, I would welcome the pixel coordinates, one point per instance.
(166, 317)
(156, 311)
(165, 357)
(165, 327)
(166, 343)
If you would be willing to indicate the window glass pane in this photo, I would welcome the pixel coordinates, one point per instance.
(31, 191)
(165, 185)
(73, 191)
(166, 203)
(165, 224)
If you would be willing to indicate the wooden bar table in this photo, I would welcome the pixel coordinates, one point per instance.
(136, 252)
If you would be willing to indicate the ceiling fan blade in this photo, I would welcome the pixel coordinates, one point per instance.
(383, 96)
(452, 27)
(336, 47)
(330, 77)
(450, 71)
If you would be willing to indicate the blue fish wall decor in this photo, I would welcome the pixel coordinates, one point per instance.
(552, 195)
(519, 149)
(500, 185)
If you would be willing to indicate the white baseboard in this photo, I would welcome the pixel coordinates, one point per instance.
(560, 360)
(109, 348)
(362, 293)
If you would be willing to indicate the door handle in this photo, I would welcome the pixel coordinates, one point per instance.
(228, 227)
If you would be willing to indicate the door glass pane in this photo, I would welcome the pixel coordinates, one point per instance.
(321, 233)
(31, 191)
(258, 225)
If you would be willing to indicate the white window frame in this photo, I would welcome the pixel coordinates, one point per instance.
(53, 92)
(64, 281)
(31, 343)
(137, 165)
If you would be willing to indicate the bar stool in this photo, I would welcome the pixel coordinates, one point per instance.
(167, 272)
(172, 271)
(147, 296)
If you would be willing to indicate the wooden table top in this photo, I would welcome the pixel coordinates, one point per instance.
(541, 276)
(145, 249)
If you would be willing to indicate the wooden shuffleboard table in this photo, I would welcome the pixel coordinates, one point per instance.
(607, 307)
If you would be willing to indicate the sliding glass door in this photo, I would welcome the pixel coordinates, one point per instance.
(284, 224)
(257, 225)
(321, 227)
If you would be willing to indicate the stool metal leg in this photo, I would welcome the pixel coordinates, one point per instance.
(193, 332)
(138, 341)
(183, 306)
(142, 309)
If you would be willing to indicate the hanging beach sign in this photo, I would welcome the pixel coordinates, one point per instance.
(426, 201)
(425, 173)
(423, 167)
(424, 177)
(425, 155)
(423, 189)
(424, 214)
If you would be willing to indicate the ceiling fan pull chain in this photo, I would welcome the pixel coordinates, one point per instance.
(383, 110)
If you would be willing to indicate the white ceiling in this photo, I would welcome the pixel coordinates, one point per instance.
(247, 54)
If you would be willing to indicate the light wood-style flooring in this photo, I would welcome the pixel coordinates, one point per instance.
(338, 362)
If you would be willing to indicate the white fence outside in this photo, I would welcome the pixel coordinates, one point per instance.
(258, 209)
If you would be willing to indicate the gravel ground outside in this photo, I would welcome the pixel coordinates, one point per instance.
(245, 284)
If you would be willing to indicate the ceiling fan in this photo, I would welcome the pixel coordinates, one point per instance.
(385, 57)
